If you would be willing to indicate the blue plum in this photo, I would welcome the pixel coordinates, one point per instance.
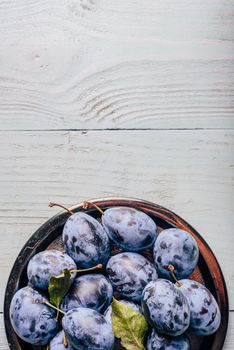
(129, 273)
(31, 319)
(108, 312)
(166, 308)
(158, 341)
(130, 229)
(57, 343)
(178, 248)
(93, 291)
(85, 240)
(47, 263)
(87, 329)
(205, 314)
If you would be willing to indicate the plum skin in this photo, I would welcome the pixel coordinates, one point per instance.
(47, 263)
(165, 308)
(85, 240)
(31, 319)
(57, 343)
(93, 291)
(130, 229)
(157, 341)
(205, 314)
(178, 248)
(129, 273)
(86, 329)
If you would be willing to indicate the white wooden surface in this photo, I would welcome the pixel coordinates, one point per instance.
(129, 98)
(107, 64)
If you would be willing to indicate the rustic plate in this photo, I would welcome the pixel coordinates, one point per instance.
(48, 235)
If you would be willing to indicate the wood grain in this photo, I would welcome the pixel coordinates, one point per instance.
(190, 172)
(97, 64)
(101, 64)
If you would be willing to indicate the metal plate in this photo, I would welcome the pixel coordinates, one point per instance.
(48, 235)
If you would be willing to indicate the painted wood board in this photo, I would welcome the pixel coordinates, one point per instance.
(190, 172)
(95, 64)
(98, 64)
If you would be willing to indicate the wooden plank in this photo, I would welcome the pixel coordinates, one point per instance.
(3, 340)
(190, 172)
(229, 342)
(107, 64)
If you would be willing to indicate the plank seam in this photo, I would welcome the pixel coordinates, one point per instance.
(114, 129)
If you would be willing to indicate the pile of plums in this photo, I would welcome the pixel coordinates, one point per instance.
(172, 304)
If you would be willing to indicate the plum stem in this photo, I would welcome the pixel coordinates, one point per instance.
(57, 315)
(171, 268)
(98, 266)
(54, 307)
(86, 205)
(61, 206)
(65, 342)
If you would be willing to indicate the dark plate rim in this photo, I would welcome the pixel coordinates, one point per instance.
(157, 210)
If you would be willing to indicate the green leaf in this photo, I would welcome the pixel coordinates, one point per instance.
(129, 325)
(59, 286)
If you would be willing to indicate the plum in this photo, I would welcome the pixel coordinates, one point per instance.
(93, 291)
(57, 343)
(129, 273)
(31, 319)
(87, 329)
(85, 240)
(158, 341)
(178, 248)
(205, 314)
(47, 263)
(130, 229)
(165, 307)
